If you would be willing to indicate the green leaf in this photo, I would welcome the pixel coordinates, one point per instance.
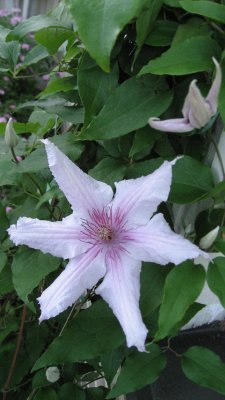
(20, 127)
(153, 278)
(53, 38)
(37, 160)
(35, 55)
(192, 55)
(59, 85)
(9, 172)
(172, 3)
(191, 181)
(108, 170)
(10, 52)
(193, 27)
(6, 284)
(71, 392)
(146, 20)
(162, 33)
(216, 277)
(208, 9)
(3, 260)
(111, 362)
(205, 368)
(105, 20)
(128, 108)
(29, 267)
(33, 24)
(95, 86)
(144, 140)
(4, 225)
(93, 332)
(140, 369)
(46, 394)
(183, 285)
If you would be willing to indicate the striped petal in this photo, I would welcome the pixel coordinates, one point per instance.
(83, 192)
(81, 273)
(121, 290)
(156, 242)
(61, 239)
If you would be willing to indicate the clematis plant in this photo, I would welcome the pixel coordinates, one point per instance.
(197, 110)
(107, 238)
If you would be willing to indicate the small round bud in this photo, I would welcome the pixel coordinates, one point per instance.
(207, 240)
(11, 138)
(52, 374)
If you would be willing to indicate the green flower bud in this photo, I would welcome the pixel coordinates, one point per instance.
(11, 138)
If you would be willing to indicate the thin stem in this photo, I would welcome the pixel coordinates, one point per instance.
(13, 362)
(72, 310)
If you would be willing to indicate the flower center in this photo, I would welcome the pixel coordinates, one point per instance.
(105, 233)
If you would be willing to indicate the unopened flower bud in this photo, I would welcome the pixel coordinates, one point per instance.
(52, 374)
(207, 240)
(11, 138)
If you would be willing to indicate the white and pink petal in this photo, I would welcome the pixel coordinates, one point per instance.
(81, 273)
(175, 125)
(137, 199)
(61, 238)
(156, 242)
(121, 290)
(83, 192)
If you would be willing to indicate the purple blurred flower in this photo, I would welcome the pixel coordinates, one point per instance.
(8, 209)
(46, 77)
(25, 46)
(5, 78)
(15, 20)
(3, 119)
(22, 57)
(3, 13)
(2, 92)
(12, 106)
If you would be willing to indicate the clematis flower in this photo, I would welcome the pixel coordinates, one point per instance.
(107, 238)
(197, 110)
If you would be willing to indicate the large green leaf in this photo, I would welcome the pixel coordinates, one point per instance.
(34, 24)
(109, 170)
(29, 267)
(37, 160)
(153, 278)
(93, 332)
(53, 38)
(59, 85)
(95, 86)
(100, 22)
(139, 369)
(10, 52)
(162, 33)
(205, 368)
(216, 278)
(128, 109)
(208, 9)
(146, 20)
(192, 55)
(183, 285)
(36, 54)
(191, 181)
